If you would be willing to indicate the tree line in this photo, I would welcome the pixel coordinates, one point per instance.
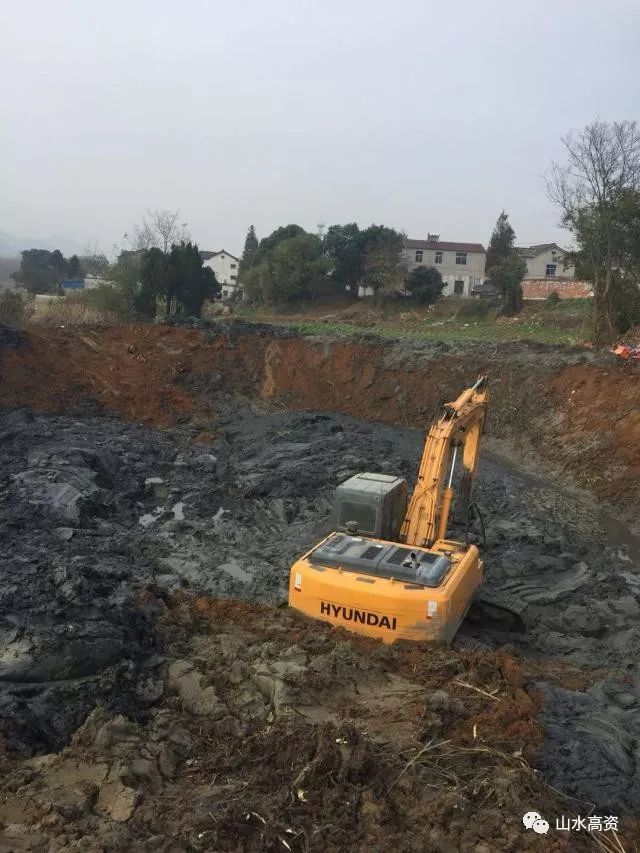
(293, 264)
(159, 272)
(596, 189)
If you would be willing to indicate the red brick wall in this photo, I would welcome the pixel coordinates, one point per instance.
(540, 288)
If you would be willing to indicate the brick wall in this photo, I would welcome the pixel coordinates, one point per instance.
(540, 288)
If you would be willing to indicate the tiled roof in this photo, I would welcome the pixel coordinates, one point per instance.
(445, 247)
(538, 249)
(207, 255)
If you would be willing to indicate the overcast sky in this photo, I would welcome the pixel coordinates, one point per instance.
(422, 115)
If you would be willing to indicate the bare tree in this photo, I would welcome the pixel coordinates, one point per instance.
(603, 166)
(160, 229)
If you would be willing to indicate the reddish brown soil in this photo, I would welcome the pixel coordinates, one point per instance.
(581, 418)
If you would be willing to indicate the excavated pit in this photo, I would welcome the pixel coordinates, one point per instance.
(107, 525)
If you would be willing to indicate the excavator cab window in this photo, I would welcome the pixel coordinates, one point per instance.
(363, 514)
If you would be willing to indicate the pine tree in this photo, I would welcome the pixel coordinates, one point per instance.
(504, 266)
(250, 247)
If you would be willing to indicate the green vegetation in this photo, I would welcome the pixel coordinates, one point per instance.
(425, 285)
(598, 193)
(288, 265)
(150, 280)
(12, 308)
(504, 266)
(449, 320)
(291, 265)
(453, 332)
(41, 271)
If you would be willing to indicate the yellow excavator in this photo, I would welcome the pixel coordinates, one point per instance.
(389, 571)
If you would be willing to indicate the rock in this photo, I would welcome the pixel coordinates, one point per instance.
(117, 801)
(18, 837)
(150, 690)
(64, 533)
(625, 700)
(117, 731)
(238, 672)
(186, 681)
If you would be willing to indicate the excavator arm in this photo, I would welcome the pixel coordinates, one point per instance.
(460, 424)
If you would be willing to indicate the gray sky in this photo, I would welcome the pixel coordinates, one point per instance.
(417, 114)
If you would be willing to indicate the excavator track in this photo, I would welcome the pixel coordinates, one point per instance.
(497, 611)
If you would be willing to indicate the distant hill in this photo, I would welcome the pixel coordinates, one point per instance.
(11, 244)
(8, 266)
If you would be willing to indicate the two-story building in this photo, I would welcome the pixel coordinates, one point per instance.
(225, 266)
(461, 265)
(546, 261)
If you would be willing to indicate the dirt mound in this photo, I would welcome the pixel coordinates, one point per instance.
(393, 757)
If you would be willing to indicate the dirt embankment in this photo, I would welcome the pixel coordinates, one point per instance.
(578, 411)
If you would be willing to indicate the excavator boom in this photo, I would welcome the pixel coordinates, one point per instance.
(460, 423)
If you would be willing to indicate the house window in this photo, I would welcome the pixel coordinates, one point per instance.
(233, 277)
(458, 288)
(551, 269)
(419, 256)
(233, 266)
(438, 258)
(461, 258)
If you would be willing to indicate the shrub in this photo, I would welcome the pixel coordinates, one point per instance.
(12, 309)
(472, 308)
(425, 285)
(552, 299)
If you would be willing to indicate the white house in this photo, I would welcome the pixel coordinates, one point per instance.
(545, 261)
(461, 265)
(225, 266)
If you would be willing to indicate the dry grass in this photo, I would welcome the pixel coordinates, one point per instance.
(70, 311)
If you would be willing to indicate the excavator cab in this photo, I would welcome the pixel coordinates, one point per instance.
(373, 504)
(387, 570)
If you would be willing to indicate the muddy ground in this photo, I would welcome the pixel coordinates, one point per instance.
(154, 697)
(106, 525)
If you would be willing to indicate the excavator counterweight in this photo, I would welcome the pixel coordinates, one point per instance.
(388, 570)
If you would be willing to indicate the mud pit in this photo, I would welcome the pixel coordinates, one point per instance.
(117, 539)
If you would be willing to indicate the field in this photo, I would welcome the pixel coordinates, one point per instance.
(566, 322)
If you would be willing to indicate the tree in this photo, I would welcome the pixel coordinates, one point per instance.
(250, 247)
(160, 229)
(41, 270)
(343, 246)
(267, 244)
(297, 268)
(126, 274)
(592, 190)
(59, 265)
(74, 268)
(425, 285)
(504, 266)
(190, 282)
(291, 268)
(382, 267)
(154, 283)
